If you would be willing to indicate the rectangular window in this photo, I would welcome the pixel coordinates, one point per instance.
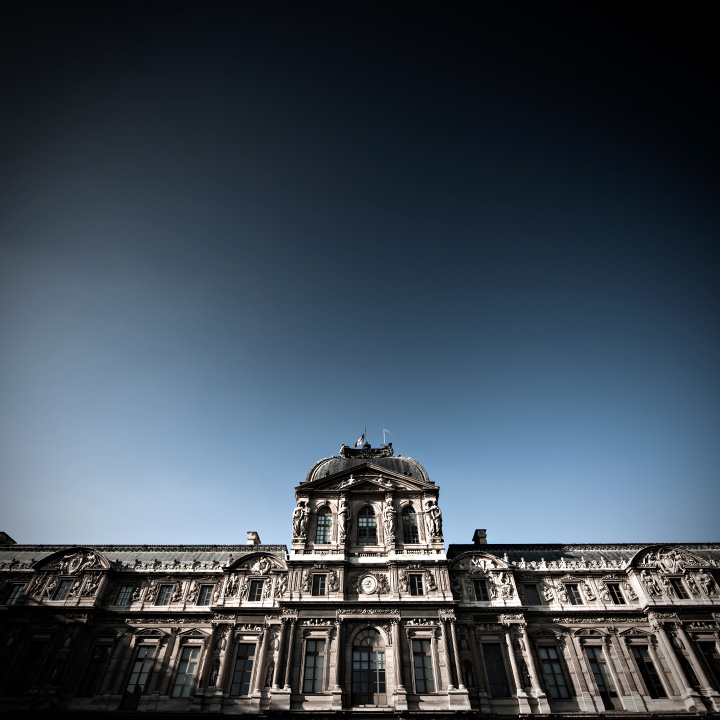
(314, 663)
(481, 590)
(256, 588)
(318, 584)
(164, 595)
(603, 678)
(679, 588)
(95, 670)
(186, 672)
(410, 527)
(573, 593)
(141, 669)
(124, 595)
(205, 596)
(710, 654)
(16, 592)
(648, 672)
(532, 595)
(422, 663)
(243, 669)
(495, 669)
(416, 584)
(63, 589)
(324, 525)
(554, 676)
(615, 593)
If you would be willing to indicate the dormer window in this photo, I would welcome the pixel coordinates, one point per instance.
(367, 527)
(410, 526)
(324, 525)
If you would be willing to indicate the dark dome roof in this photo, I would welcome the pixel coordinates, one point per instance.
(398, 464)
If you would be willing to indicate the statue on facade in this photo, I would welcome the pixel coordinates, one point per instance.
(300, 517)
(343, 520)
(650, 584)
(389, 516)
(433, 519)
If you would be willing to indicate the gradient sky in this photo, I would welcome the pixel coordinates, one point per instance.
(230, 240)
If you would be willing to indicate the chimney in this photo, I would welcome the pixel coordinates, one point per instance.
(480, 537)
(5, 539)
(253, 538)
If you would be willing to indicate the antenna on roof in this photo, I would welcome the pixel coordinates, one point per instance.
(385, 431)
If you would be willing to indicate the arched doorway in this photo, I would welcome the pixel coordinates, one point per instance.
(368, 669)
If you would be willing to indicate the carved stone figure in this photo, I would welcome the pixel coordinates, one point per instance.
(91, 586)
(261, 567)
(177, 593)
(649, 583)
(193, 592)
(334, 581)
(547, 592)
(306, 581)
(300, 517)
(706, 583)
(505, 585)
(587, 589)
(430, 580)
(628, 588)
(281, 586)
(232, 586)
(456, 587)
(433, 519)
(403, 581)
(136, 592)
(389, 516)
(343, 520)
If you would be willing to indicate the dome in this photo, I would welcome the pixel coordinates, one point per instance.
(397, 464)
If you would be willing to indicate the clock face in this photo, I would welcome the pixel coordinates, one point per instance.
(368, 584)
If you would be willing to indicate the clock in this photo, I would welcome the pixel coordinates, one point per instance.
(368, 584)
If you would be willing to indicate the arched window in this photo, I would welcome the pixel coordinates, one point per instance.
(368, 669)
(367, 527)
(410, 526)
(324, 525)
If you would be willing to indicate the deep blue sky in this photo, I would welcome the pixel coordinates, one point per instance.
(229, 241)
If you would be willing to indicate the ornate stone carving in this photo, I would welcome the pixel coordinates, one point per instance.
(300, 517)
(389, 516)
(367, 451)
(433, 519)
(261, 566)
(670, 560)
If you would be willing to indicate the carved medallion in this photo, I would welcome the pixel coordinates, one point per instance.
(368, 584)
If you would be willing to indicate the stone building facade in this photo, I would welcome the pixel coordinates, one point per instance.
(367, 612)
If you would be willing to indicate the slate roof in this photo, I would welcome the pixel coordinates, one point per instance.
(398, 464)
(129, 558)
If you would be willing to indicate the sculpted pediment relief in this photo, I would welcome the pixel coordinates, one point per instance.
(478, 562)
(73, 561)
(258, 564)
(668, 559)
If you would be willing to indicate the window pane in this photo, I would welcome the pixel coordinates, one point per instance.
(532, 595)
(573, 593)
(416, 584)
(314, 661)
(256, 588)
(552, 670)
(481, 590)
(410, 526)
(124, 595)
(243, 669)
(318, 584)
(205, 596)
(616, 594)
(648, 672)
(164, 595)
(324, 525)
(186, 672)
(63, 589)
(15, 594)
(95, 671)
(422, 664)
(495, 669)
(141, 669)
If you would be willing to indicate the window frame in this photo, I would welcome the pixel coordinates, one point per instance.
(679, 588)
(146, 661)
(482, 584)
(557, 669)
(128, 591)
(410, 526)
(319, 582)
(616, 594)
(426, 664)
(194, 677)
(210, 589)
(367, 521)
(646, 669)
(320, 662)
(496, 665)
(15, 595)
(416, 587)
(94, 672)
(64, 587)
(535, 589)
(164, 596)
(323, 523)
(255, 590)
(574, 594)
(251, 670)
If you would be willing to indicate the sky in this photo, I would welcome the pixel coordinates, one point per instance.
(233, 239)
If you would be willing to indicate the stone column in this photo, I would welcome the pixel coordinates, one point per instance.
(543, 704)
(339, 652)
(398, 655)
(706, 687)
(260, 662)
(477, 669)
(448, 655)
(686, 691)
(110, 682)
(288, 664)
(596, 700)
(456, 655)
(278, 662)
(161, 682)
(577, 675)
(523, 704)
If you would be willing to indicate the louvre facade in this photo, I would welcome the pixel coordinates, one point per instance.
(368, 612)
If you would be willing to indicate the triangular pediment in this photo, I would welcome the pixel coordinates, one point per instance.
(366, 478)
